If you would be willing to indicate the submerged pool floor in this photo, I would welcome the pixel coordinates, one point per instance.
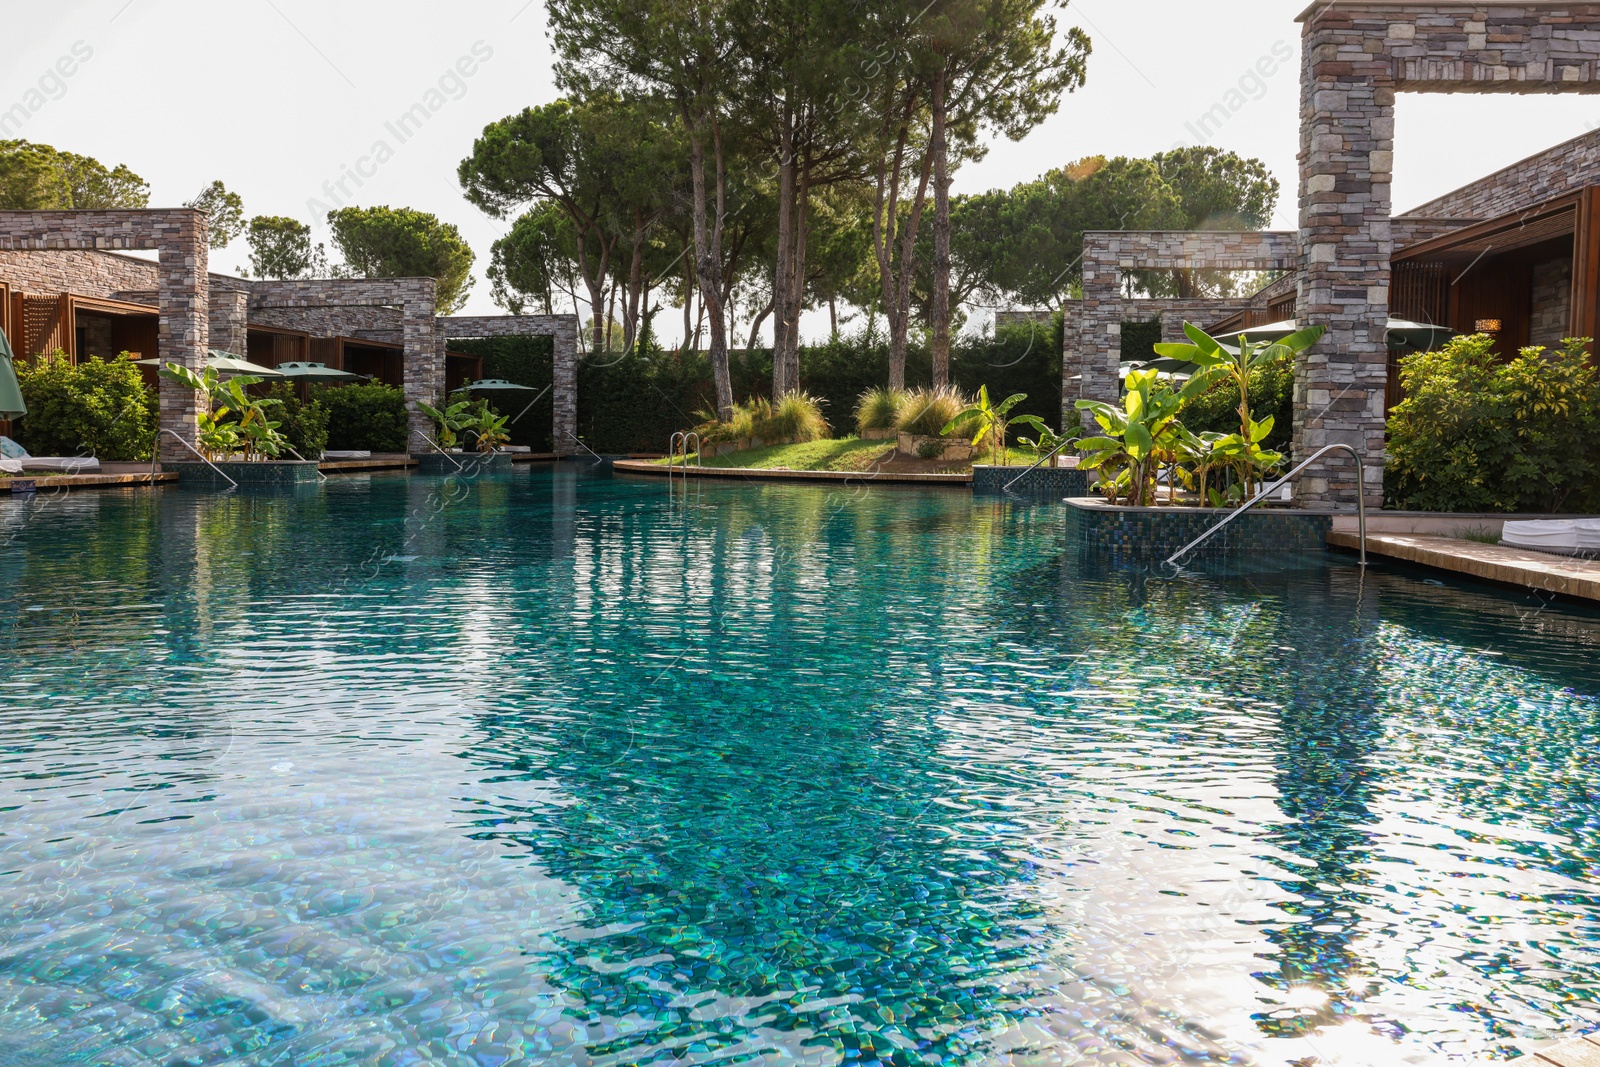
(558, 768)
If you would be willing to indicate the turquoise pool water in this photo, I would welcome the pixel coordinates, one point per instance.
(556, 769)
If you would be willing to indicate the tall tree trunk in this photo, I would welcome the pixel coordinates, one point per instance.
(708, 255)
(630, 315)
(755, 328)
(688, 305)
(939, 148)
(900, 325)
(784, 265)
(797, 281)
(885, 220)
(833, 317)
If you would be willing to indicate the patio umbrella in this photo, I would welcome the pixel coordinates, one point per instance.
(500, 385)
(228, 366)
(1402, 333)
(317, 372)
(11, 405)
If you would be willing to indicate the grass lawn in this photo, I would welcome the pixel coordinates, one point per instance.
(845, 454)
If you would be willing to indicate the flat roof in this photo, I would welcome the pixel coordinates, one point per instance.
(1432, 5)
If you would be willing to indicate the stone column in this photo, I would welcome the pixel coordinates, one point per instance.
(424, 363)
(1071, 366)
(183, 333)
(1346, 160)
(564, 389)
(1100, 329)
(228, 311)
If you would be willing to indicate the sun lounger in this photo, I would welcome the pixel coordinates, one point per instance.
(1565, 537)
(9, 449)
(10, 466)
(346, 455)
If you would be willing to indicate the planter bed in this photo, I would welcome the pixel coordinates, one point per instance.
(1055, 483)
(470, 464)
(1152, 535)
(269, 474)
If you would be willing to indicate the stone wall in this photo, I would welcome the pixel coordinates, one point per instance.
(179, 235)
(373, 323)
(564, 368)
(1097, 324)
(1565, 168)
(1356, 56)
(96, 274)
(1552, 302)
(413, 299)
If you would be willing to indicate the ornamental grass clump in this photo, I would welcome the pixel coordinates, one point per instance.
(879, 409)
(797, 417)
(928, 413)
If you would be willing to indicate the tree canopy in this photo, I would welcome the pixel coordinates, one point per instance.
(37, 177)
(387, 242)
(224, 213)
(281, 248)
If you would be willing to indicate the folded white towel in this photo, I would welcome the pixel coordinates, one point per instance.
(11, 466)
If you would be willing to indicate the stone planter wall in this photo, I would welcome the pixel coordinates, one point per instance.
(272, 474)
(878, 435)
(1055, 483)
(910, 446)
(1149, 536)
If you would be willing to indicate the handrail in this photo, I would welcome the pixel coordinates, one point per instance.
(436, 448)
(1053, 453)
(586, 448)
(1361, 501)
(155, 456)
(303, 459)
(679, 441)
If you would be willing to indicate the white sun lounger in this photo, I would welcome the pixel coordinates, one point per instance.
(346, 455)
(1565, 537)
(9, 449)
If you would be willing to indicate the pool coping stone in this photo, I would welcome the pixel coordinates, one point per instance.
(1546, 572)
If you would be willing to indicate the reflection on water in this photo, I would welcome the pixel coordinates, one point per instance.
(553, 768)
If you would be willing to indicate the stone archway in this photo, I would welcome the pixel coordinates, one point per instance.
(564, 367)
(1357, 56)
(179, 236)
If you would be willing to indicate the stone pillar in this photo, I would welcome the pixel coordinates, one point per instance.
(564, 389)
(183, 333)
(1100, 332)
(424, 364)
(228, 312)
(1071, 366)
(1346, 161)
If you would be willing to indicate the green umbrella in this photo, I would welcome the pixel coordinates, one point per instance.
(317, 372)
(500, 385)
(228, 365)
(11, 405)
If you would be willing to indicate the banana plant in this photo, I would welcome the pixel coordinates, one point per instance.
(452, 421)
(230, 421)
(993, 421)
(1238, 364)
(1047, 442)
(1139, 434)
(491, 430)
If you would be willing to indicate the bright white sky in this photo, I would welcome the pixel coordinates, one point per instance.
(277, 97)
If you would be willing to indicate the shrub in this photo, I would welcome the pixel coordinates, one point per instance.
(797, 417)
(303, 423)
(370, 417)
(926, 412)
(95, 408)
(878, 408)
(1478, 434)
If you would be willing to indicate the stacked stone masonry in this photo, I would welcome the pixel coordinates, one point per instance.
(1356, 56)
(1563, 169)
(48, 253)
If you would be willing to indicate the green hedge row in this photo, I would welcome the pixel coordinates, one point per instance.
(635, 402)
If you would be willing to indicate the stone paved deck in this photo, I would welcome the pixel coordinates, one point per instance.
(1584, 1052)
(53, 483)
(1495, 563)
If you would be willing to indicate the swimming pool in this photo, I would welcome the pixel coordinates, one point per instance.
(558, 768)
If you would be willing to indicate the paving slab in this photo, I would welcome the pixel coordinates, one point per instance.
(1544, 571)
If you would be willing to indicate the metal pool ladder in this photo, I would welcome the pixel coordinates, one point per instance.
(679, 447)
(155, 456)
(1361, 502)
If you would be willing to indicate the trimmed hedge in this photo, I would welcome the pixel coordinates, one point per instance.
(369, 417)
(305, 425)
(635, 402)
